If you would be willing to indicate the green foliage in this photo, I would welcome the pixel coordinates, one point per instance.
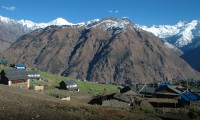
(2, 67)
(148, 109)
(96, 89)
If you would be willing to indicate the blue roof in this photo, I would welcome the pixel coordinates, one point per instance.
(20, 65)
(164, 84)
(187, 96)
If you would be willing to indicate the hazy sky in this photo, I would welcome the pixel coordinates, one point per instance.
(144, 12)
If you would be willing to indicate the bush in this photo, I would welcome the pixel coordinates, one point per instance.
(148, 109)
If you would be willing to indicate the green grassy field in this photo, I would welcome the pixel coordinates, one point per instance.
(84, 86)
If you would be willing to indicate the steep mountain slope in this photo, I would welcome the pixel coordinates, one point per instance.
(184, 35)
(180, 34)
(191, 46)
(4, 45)
(109, 51)
(192, 52)
(193, 58)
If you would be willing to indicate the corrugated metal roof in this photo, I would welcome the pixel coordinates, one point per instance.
(187, 96)
(173, 88)
(20, 65)
(70, 82)
(16, 74)
(122, 97)
(33, 74)
(146, 89)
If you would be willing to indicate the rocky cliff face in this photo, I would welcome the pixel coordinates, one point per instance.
(109, 51)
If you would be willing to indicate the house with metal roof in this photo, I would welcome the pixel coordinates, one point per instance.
(189, 99)
(20, 66)
(167, 91)
(34, 75)
(69, 85)
(15, 77)
(134, 89)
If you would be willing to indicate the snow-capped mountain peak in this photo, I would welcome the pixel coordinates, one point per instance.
(31, 25)
(110, 22)
(60, 21)
(6, 20)
(88, 22)
(179, 34)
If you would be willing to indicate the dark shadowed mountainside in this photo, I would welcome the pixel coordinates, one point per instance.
(192, 52)
(109, 51)
(193, 58)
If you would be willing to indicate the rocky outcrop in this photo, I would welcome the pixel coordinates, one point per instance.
(109, 51)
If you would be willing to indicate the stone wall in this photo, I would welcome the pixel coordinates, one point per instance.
(115, 103)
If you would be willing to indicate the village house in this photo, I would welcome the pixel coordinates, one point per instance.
(15, 77)
(167, 91)
(118, 100)
(69, 85)
(20, 66)
(34, 75)
(189, 99)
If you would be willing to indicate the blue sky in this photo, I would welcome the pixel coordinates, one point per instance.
(144, 12)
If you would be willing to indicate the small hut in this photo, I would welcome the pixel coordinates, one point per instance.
(69, 85)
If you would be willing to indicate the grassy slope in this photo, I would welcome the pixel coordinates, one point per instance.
(84, 86)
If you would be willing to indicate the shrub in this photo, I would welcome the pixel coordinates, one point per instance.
(148, 109)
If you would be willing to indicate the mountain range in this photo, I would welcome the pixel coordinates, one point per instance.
(11, 30)
(180, 34)
(110, 50)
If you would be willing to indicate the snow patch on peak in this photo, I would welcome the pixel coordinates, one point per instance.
(186, 34)
(88, 22)
(59, 22)
(169, 45)
(107, 23)
(162, 31)
(6, 19)
(31, 25)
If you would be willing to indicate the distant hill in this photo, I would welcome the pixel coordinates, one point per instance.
(109, 51)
